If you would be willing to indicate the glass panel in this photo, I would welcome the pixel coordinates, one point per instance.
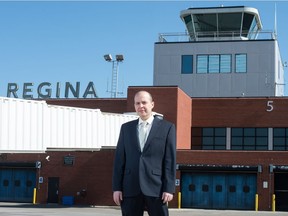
(262, 147)
(17, 183)
(192, 187)
(202, 64)
(207, 147)
(205, 188)
(246, 189)
(253, 32)
(249, 131)
(241, 63)
(220, 132)
(236, 141)
(279, 132)
(249, 141)
(279, 148)
(208, 141)
(230, 22)
(262, 141)
(196, 131)
(237, 131)
(236, 147)
(196, 141)
(188, 22)
(247, 21)
(208, 132)
(214, 63)
(218, 188)
(187, 64)
(232, 188)
(261, 131)
(225, 64)
(28, 183)
(205, 23)
(220, 147)
(249, 148)
(280, 141)
(220, 141)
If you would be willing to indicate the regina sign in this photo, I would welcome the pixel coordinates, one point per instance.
(47, 90)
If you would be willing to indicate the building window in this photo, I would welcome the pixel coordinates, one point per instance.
(214, 63)
(209, 138)
(241, 63)
(225, 63)
(187, 64)
(202, 64)
(280, 139)
(249, 138)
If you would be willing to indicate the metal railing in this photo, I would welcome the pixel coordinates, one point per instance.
(216, 36)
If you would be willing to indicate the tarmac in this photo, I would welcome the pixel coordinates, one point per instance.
(18, 209)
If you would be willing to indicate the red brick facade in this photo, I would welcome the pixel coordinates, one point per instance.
(92, 171)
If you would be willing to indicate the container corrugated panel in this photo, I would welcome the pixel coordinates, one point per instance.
(28, 125)
(21, 125)
(112, 125)
(70, 127)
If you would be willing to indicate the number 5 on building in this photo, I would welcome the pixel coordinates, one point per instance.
(269, 106)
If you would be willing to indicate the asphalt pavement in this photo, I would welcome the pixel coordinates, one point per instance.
(16, 209)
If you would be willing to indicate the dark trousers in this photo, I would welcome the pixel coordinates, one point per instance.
(135, 206)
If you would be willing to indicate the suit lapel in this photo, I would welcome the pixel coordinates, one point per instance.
(135, 134)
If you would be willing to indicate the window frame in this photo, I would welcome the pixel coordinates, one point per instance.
(238, 68)
(185, 60)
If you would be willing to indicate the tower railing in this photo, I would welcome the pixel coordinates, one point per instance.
(216, 36)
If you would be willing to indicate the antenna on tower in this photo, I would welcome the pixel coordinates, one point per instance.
(275, 21)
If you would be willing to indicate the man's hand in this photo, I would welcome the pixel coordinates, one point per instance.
(117, 197)
(167, 197)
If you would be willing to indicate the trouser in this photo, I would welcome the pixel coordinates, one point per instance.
(135, 206)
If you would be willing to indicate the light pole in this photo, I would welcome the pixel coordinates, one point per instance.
(115, 67)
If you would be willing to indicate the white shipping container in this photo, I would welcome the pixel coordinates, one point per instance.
(34, 126)
(112, 124)
(21, 125)
(72, 127)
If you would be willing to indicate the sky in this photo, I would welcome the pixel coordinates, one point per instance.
(65, 41)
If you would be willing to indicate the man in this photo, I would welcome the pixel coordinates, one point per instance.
(145, 165)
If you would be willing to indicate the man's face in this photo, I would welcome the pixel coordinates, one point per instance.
(143, 105)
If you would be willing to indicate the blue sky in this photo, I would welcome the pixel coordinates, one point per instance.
(64, 41)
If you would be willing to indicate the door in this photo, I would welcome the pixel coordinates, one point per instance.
(53, 189)
(281, 191)
(218, 190)
(17, 185)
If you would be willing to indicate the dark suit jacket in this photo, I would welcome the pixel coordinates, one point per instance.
(152, 171)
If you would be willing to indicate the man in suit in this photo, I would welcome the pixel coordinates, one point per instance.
(145, 165)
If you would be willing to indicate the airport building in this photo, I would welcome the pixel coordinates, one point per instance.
(215, 83)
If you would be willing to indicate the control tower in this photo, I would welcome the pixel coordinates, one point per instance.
(224, 52)
(222, 23)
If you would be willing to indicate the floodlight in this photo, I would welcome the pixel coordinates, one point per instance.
(108, 57)
(115, 63)
(120, 58)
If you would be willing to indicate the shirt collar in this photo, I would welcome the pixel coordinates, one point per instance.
(149, 120)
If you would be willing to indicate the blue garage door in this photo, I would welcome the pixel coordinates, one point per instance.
(17, 185)
(218, 191)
